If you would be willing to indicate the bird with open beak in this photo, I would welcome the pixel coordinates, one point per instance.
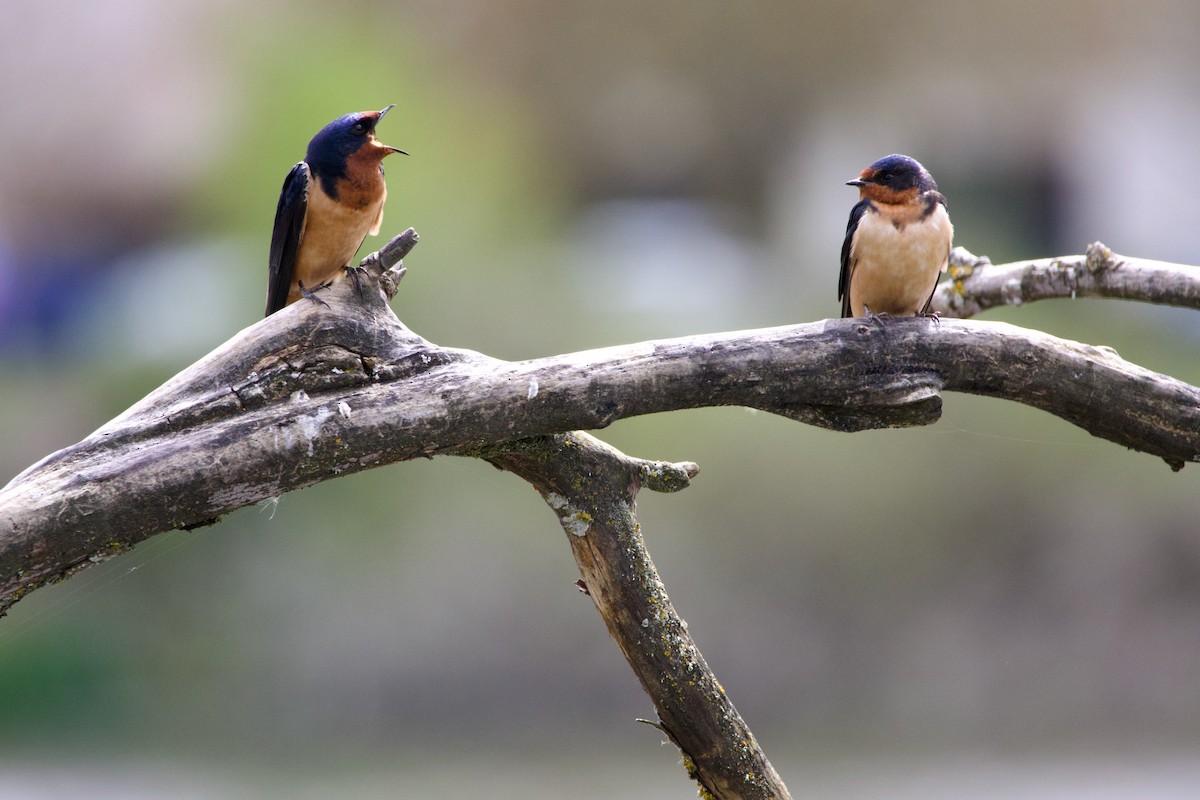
(329, 204)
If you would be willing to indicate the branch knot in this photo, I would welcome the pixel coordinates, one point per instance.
(1100, 257)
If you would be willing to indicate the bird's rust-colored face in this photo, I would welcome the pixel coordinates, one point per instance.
(365, 124)
(871, 187)
(893, 180)
(349, 138)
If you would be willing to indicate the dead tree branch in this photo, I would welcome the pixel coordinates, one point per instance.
(591, 488)
(314, 392)
(976, 284)
(324, 389)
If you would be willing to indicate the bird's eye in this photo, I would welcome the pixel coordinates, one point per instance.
(360, 128)
(884, 177)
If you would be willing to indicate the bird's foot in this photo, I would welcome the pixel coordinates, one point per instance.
(312, 294)
(936, 316)
(356, 274)
(879, 318)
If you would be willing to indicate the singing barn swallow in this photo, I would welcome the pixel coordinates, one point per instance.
(329, 204)
(897, 241)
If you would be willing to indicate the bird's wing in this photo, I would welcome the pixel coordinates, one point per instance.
(856, 214)
(939, 198)
(285, 238)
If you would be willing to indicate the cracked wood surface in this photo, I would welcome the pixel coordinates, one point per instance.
(324, 389)
(313, 392)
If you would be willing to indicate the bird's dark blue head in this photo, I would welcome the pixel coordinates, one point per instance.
(342, 138)
(896, 173)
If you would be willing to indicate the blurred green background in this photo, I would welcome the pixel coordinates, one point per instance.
(996, 605)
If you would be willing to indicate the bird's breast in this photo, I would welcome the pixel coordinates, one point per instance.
(897, 256)
(335, 229)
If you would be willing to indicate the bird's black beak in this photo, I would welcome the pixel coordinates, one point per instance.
(388, 146)
(856, 182)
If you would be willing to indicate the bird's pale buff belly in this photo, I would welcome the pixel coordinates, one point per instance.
(896, 268)
(332, 235)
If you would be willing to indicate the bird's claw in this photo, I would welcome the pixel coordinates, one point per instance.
(312, 294)
(356, 274)
(879, 318)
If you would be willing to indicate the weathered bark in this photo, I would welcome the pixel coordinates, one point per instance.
(976, 284)
(323, 389)
(591, 488)
(317, 391)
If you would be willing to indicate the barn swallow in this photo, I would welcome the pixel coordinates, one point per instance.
(330, 202)
(897, 241)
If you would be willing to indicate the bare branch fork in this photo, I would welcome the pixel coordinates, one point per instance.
(316, 391)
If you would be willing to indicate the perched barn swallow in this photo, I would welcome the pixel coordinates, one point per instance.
(330, 202)
(897, 241)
